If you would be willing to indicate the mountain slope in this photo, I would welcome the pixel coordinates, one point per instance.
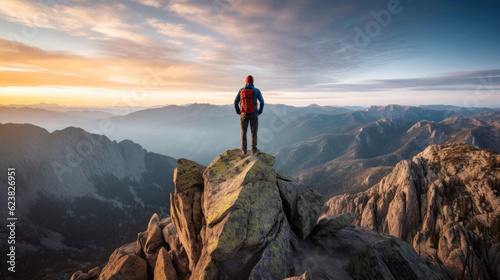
(445, 202)
(51, 119)
(72, 189)
(202, 131)
(338, 162)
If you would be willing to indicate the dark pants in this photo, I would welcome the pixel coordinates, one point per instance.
(253, 118)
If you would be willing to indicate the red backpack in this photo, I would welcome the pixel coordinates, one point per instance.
(247, 105)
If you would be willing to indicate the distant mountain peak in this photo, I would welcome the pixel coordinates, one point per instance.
(389, 107)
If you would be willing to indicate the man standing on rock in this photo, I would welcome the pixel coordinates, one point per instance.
(246, 106)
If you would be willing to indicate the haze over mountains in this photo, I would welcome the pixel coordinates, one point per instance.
(370, 150)
(78, 194)
(334, 149)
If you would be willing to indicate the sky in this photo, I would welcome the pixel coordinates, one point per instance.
(300, 52)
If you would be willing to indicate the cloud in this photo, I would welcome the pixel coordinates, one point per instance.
(123, 65)
(179, 31)
(290, 46)
(287, 44)
(472, 80)
(39, 79)
(189, 10)
(151, 3)
(95, 20)
(302, 40)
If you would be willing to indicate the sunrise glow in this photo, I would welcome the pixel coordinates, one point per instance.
(153, 52)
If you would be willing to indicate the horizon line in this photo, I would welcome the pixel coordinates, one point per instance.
(230, 104)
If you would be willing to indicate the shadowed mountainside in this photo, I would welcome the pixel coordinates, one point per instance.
(78, 194)
(354, 158)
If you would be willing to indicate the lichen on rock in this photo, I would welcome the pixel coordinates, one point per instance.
(240, 219)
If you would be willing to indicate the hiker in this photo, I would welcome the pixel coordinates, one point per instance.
(246, 106)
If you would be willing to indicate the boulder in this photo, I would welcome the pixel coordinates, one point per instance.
(75, 275)
(165, 222)
(276, 257)
(329, 226)
(186, 207)
(153, 220)
(168, 231)
(179, 257)
(83, 276)
(246, 229)
(164, 269)
(154, 238)
(151, 260)
(94, 272)
(391, 259)
(124, 264)
(140, 244)
(309, 207)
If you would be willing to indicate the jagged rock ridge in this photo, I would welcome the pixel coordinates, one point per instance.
(445, 202)
(240, 219)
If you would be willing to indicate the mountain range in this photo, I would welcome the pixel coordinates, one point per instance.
(353, 157)
(335, 149)
(75, 191)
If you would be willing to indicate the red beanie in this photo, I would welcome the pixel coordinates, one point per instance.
(249, 79)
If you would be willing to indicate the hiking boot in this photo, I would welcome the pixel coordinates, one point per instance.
(243, 151)
(255, 151)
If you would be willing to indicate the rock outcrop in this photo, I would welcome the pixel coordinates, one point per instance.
(445, 202)
(126, 265)
(240, 219)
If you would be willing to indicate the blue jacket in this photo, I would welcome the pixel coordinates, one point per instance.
(257, 96)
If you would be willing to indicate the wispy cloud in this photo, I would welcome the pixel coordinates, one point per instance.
(151, 3)
(474, 80)
(126, 68)
(97, 19)
(290, 46)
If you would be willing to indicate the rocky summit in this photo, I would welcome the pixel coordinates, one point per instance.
(240, 219)
(445, 202)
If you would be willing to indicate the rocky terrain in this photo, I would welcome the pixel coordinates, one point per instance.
(444, 202)
(240, 219)
(78, 194)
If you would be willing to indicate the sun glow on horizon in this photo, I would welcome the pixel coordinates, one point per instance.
(148, 53)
